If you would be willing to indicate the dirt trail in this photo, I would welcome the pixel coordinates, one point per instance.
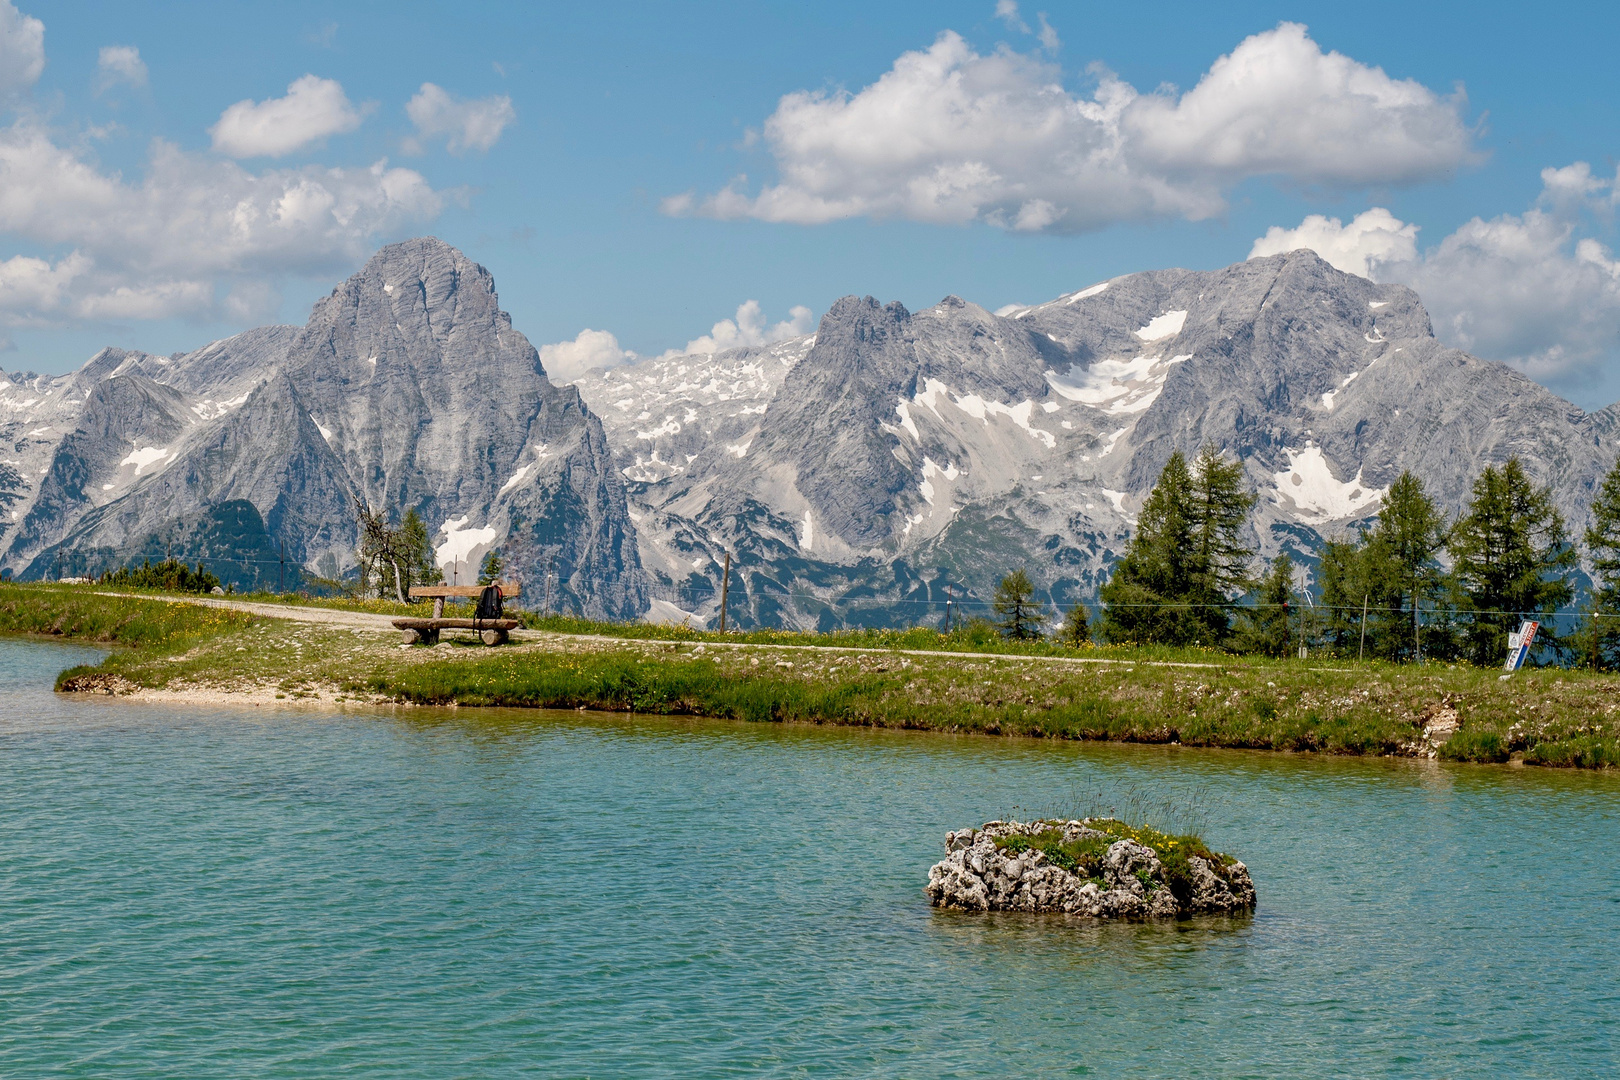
(353, 620)
(363, 620)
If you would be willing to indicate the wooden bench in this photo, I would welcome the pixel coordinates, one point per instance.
(426, 631)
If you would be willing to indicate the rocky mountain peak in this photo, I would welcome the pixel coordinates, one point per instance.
(909, 448)
(408, 388)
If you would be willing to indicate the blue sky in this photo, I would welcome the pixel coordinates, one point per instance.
(591, 156)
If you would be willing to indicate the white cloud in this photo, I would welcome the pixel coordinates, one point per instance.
(1048, 37)
(29, 285)
(464, 124)
(22, 50)
(120, 64)
(193, 227)
(568, 360)
(313, 109)
(748, 329)
(1372, 237)
(1527, 289)
(1007, 12)
(1278, 104)
(951, 136)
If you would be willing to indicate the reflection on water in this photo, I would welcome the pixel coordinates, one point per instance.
(218, 892)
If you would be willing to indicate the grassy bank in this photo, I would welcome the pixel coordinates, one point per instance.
(1550, 717)
(146, 624)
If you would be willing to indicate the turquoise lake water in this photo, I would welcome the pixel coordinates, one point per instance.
(213, 892)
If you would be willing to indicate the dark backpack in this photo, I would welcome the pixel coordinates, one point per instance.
(489, 603)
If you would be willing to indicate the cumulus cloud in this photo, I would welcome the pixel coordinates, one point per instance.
(568, 360)
(29, 285)
(951, 136)
(191, 228)
(120, 64)
(1048, 37)
(464, 124)
(1007, 12)
(748, 329)
(1373, 236)
(1528, 289)
(313, 109)
(22, 51)
(1279, 104)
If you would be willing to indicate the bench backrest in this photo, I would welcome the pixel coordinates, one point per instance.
(509, 589)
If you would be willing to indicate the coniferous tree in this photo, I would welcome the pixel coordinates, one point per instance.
(1511, 561)
(1076, 629)
(1220, 510)
(1144, 598)
(1600, 644)
(416, 551)
(1400, 570)
(490, 571)
(1021, 614)
(1187, 564)
(1269, 625)
(1344, 596)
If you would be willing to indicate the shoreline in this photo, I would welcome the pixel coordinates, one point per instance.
(220, 654)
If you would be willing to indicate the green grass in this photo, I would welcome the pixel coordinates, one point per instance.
(150, 628)
(1085, 856)
(972, 638)
(157, 625)
(1545, 717)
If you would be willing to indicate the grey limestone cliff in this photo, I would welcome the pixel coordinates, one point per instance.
(408, 388)
(906, 456)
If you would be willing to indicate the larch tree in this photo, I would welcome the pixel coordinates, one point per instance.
(1021, 614)
(1143, 599)
(1187, 565)
(1220, 513)
(1602, 632)
(1511, 560)
(1269, 625)
(1400, 568)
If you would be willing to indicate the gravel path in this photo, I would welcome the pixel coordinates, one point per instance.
(354, 620)
(362, 620)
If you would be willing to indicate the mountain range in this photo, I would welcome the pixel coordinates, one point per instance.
(860, 475)
(899, 458)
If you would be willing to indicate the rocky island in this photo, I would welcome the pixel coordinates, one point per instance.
(1096, 867)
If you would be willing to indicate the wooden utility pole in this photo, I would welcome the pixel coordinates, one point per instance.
(1417, 645)
(1362, 653)
(725, 592)
(950, 598)
(281, 569)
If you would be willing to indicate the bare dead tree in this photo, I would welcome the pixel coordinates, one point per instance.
(380, 543)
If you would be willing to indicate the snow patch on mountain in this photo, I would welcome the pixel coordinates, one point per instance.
(144, 456)
(1160, 327)
(931, 470)
(1327, 398)
(1116, 386)
(665, 613)
(1309, 484)
(462, 544)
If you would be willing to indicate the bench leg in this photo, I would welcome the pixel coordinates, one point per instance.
(438, 607)
(494, 637)
(431, 637)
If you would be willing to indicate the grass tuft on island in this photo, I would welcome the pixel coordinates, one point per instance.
(1547, 716)
(1085, 856)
